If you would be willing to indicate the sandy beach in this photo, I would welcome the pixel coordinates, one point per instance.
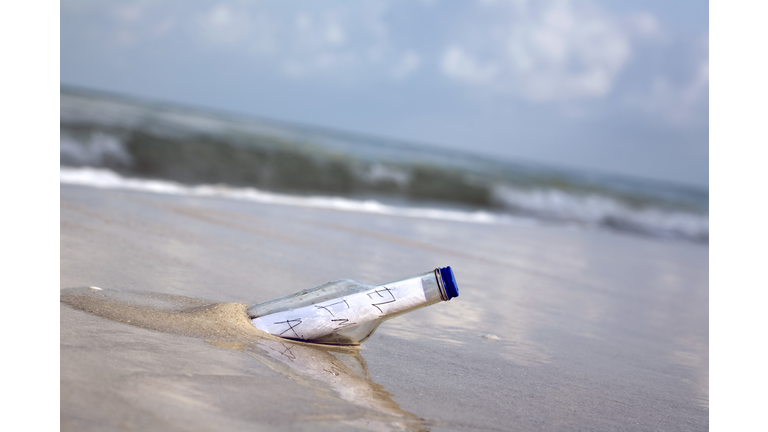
(555, 328)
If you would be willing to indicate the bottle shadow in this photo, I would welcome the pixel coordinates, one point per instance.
(338, 371)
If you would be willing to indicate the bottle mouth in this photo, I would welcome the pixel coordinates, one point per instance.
(447, 283)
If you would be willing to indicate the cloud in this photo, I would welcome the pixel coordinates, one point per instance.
(543, 51)
(646, 25)
(127, 13)
(334, 34)
(222, 24)
(456, 63)
(678, 104)
(547, 51)
(407, 64)
(315, 44)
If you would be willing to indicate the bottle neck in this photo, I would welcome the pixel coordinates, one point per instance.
(431, 282)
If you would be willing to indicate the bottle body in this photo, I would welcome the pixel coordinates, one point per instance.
(346, 312)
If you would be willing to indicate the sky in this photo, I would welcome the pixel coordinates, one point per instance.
(616, 87)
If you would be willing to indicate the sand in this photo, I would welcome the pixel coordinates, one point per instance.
(177, 315)
(555, 328)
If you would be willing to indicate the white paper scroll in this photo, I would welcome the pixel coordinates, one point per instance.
(318, 320)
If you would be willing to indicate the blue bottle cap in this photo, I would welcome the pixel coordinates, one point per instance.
(451, 289)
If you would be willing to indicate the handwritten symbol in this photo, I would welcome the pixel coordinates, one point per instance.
(332, 304)
(292, 356)
(379, 292)
(343, 322)
(290, 326)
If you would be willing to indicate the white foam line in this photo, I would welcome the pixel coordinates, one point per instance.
(106, 179)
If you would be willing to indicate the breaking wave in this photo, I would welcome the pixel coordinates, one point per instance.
(552, 205)
(118, 143)
(104, 178)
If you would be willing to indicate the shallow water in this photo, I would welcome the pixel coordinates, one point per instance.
(339, 372)
(554, 328)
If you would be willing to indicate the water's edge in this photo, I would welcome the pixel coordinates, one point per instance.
(133, 145)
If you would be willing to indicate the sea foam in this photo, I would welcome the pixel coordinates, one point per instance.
(110, 142)
(533, 207)
(107, 179)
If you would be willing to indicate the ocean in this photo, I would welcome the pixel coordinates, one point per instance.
(111, 141)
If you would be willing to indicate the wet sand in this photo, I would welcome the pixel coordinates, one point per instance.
(554, 328)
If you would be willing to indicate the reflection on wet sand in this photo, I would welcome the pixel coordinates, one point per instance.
(336, 371)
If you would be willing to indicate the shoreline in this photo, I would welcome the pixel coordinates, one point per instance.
(592, 330)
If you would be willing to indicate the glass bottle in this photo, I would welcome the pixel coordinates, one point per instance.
(347, 312)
